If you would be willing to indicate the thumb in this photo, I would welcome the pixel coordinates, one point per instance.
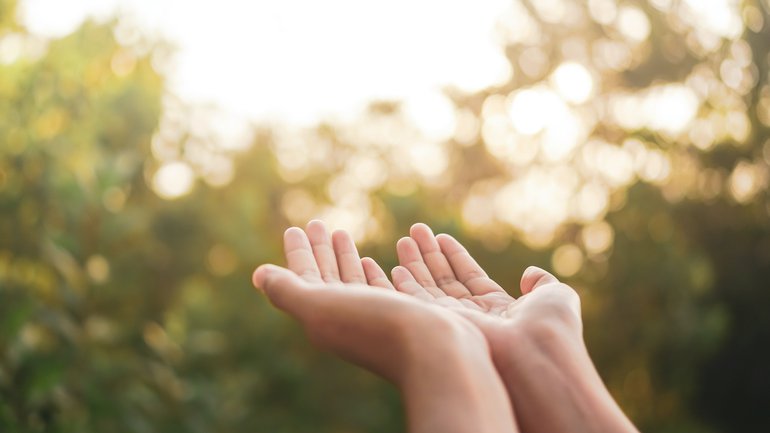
(534, 277)
(285, 289)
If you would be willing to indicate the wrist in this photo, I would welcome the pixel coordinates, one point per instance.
(441, 348)
(546, 365)
(450, 384)
(550, 338)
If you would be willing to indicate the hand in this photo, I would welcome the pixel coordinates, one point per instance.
(536, 340)
(439, 269)
(347, 305)
(325, 288)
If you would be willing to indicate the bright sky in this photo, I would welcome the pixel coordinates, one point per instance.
(304, 60)
(299, 62)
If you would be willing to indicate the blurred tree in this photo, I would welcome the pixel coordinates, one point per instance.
(121, 311)
(627, 150)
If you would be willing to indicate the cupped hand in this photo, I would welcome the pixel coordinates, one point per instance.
(536, 339)
(440, 270)
(347, 305)
(442, 365)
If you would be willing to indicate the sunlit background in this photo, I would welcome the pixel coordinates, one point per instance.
(154, 151)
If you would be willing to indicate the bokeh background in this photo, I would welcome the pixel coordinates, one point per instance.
(143, 175)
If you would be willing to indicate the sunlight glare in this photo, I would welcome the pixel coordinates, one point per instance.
(602, 11)
(668, 108)
(747, 180)
(719, 17)
(302, 61)
(573, 82)
(564, 132)
(633, 23)
(173, 180)
(538, 201)
(531, 109)
(433, 114)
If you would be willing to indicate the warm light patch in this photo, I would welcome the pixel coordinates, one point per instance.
(669, 108)
(98, 268)
(747, 180)
(295, 60)
(633, 23)
(173, 180)
(567, 260)
(573, 82)
(597, 237)
(531, 109)
(718, 17)
(433, 114)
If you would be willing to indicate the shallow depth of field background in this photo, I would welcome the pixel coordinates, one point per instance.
(152, 153)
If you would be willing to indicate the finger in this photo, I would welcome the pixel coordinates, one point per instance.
(375, 276)
(465, 268)
(409, 257)
(534, 277)
(436, 262)
(323, 251)
(404, 282)
(285, 289)
(348, 261)
(299, 255)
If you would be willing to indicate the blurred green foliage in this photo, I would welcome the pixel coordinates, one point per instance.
(124, 312)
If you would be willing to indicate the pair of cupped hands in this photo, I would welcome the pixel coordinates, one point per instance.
(447, 335)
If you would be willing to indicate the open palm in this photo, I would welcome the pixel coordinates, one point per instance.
(346, 304)
(339, 298)
(535, 340)
(440, 270)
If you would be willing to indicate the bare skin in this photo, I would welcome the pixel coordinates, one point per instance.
(440, 361)
(536, 340)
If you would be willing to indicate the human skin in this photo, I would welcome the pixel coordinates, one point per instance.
(440, 362)
(536, 340)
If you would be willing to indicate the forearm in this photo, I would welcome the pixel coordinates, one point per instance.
(456, 392)
(555, 387)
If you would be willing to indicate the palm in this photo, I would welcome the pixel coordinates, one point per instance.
(439, 269)
(339, 297)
